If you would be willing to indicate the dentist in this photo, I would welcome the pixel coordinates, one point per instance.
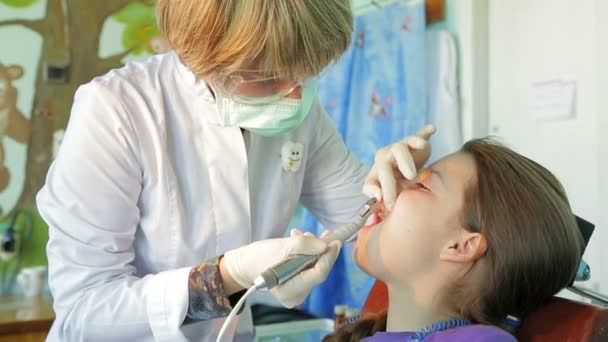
(178, 176)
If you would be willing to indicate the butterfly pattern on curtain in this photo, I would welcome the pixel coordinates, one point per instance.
(376, 94)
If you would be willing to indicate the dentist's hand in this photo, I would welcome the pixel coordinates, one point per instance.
(396, 162)
(246, 263)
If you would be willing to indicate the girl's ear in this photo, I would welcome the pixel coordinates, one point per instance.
(468, 248)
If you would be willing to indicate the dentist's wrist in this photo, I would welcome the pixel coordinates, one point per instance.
(230, 285)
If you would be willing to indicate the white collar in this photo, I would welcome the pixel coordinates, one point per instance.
(199, 87)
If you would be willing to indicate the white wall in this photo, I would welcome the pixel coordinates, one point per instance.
(601, 245)
(537, 40)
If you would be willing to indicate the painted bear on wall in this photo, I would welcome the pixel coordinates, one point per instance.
(13, 123)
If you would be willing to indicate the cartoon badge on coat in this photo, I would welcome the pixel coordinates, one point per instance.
(291, 156)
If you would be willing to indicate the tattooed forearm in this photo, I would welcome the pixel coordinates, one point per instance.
(208, 300)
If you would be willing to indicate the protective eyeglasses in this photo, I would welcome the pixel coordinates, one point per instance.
(249, 87)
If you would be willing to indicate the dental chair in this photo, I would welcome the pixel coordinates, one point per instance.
(559, 320)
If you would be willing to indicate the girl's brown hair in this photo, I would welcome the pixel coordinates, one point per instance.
(534, 244)
(291, 39)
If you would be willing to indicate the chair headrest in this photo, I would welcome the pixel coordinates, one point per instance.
(586, 229)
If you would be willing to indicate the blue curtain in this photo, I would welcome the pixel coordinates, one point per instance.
(376, 94)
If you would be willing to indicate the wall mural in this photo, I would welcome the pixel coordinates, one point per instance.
(13, 124)
(73, 41)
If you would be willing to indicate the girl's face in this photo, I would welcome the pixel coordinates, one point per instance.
(425, 219)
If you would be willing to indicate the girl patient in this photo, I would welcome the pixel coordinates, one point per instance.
(480, 235)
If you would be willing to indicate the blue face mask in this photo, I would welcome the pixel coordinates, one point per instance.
(271, 119)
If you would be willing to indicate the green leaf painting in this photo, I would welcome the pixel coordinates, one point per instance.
(18, 3)
(140, 27)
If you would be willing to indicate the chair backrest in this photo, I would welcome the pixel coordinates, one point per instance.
(565, 320)
(377, 299)
(559, 320)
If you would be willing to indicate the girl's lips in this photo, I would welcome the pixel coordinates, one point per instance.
(373, 221)
(376, 217)
(381, 213)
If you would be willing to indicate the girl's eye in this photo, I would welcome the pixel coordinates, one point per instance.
(422, 186)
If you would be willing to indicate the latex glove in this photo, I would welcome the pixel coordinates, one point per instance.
(395, 162)
(246, 263)
(296, 289)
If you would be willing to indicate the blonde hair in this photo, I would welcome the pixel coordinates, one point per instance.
(291, 39)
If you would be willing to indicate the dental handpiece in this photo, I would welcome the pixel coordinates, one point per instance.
(294, 264)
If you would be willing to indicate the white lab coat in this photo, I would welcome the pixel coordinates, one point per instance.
(148, 183)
